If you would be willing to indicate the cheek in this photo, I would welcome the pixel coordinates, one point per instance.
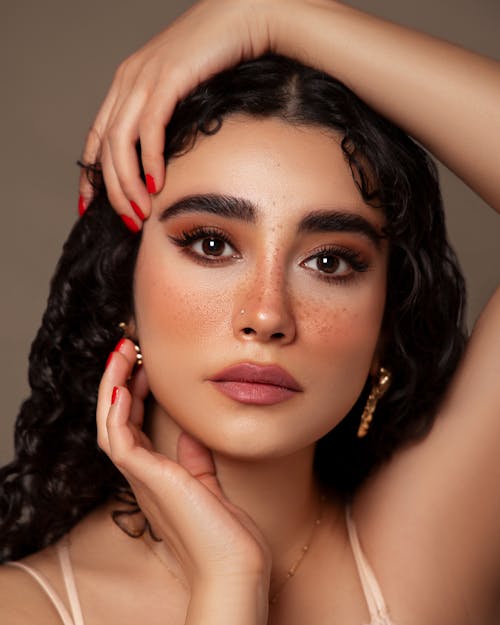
(352, 316)
(174, 314)
(342, 333)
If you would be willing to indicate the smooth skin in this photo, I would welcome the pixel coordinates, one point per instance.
(428, 520)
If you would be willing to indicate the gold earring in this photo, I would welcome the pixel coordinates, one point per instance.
(378, 390)
(138, 354)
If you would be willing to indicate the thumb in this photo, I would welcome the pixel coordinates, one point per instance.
(198, 460)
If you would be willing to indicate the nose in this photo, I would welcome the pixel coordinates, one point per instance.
(263, 311)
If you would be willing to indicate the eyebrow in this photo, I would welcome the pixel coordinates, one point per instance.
(222, 205)
(339, 221)
(233, 207)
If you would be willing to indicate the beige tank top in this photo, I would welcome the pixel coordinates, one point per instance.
(374, 599)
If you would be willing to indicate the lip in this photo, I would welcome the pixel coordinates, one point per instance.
(251, 383)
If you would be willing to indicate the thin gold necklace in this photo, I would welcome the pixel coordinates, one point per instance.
(291, 571)
(305, 548)
(163, 563)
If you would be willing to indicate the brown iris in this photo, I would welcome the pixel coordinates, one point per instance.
(327, 264)
(213, 246)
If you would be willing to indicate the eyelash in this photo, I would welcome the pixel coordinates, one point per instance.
(351, 257)
(188, 238)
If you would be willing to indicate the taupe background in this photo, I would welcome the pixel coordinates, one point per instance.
(57, 59)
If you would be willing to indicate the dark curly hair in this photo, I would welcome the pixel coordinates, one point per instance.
(59, 473)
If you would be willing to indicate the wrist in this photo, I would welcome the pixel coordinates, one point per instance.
(239, 602)
(293, 24)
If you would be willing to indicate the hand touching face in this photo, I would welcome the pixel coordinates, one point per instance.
(260, 253)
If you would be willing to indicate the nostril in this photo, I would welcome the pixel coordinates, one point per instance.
(277, 335)
(248, 331)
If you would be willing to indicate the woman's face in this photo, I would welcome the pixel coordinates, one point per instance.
(281, 266)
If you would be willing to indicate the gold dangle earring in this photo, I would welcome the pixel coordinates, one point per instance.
(378, 390)
(138, 354)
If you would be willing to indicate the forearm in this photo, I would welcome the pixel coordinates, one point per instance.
(446, 97)
(225, 604)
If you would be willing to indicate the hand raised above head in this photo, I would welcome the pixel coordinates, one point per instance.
(211, 36)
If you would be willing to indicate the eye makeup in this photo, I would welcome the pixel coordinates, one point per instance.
(210, 245)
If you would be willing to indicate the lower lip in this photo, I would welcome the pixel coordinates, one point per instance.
(253, 393)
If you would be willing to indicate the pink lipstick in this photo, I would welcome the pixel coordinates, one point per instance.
(256, 384)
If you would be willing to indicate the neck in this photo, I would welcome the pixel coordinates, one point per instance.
(279, 494)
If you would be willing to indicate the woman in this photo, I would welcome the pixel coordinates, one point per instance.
(332, 264)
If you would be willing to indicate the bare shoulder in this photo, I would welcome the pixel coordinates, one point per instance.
(22, 600)
(429, 518)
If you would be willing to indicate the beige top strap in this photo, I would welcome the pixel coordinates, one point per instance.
(48, 589)
(69, 580)
(76, 617)
(371, 589)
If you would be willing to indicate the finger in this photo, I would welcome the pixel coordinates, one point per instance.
(130, 449)
(93, 146)
(115, 194)
(123, 136)
(108, 116)
(119, 435)
(198, 460)
(90, 156)
(154, 119)
(118, 369)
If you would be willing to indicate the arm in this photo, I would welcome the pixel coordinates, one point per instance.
(447, 97)
(429, 518)
(443, 95)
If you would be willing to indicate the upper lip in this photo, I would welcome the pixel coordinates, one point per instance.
(257, 374)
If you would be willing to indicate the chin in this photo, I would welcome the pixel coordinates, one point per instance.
(244, 432)
(253, 440)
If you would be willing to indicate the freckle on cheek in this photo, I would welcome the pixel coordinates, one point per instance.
(327, 324)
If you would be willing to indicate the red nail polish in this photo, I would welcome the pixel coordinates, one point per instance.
(130, 223)
(137, 210)
(119, 345)
(114, 394)
(108, 361)
(150, 184)
(81, 205)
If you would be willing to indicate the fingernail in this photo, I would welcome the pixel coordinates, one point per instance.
(130, 223)
(119, 345)
(108, 361)
(81, 205)
(117, 348)
(114, 394)
(150, 183)
(137, 210)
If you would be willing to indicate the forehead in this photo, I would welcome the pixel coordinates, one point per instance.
(281, 168)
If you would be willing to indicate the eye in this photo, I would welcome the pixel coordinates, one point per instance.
(212, 246)
(206, 245)
(335, 264)
(327, 263)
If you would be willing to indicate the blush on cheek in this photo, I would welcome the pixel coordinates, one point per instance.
(329, 325)
(176, 314)
(344, 340)
(336, 323)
